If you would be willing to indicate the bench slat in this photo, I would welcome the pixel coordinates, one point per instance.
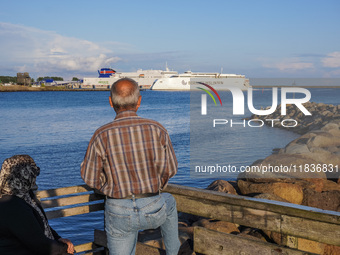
(74, 211)
(62, 191)
(65, 201)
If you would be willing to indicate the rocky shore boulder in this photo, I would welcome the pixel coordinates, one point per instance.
(290, 192)
(222, 186)
(309, 165)
(327, 200)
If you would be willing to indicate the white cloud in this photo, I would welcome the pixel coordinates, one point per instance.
(46, 52)
(293, 64)
(332, 60)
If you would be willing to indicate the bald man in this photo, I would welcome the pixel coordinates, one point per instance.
(131, 160)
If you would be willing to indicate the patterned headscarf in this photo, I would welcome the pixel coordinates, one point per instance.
(17, 177)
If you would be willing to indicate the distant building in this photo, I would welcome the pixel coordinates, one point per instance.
(23, 79)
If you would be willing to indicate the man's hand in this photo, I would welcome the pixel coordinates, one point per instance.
(70, 246)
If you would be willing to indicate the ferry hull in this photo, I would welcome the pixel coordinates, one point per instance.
(187, 83)
(102, 82)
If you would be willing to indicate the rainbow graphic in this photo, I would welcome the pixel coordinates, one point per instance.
(208, 92)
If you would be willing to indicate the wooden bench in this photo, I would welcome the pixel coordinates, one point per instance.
(71, 201)
(292, 221)
(77, 200)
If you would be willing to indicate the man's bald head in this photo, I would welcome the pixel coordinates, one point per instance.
(125, 94)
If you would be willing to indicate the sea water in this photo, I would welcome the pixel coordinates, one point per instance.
(54, 128)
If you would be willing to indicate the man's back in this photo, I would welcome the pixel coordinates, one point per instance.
(135, 154)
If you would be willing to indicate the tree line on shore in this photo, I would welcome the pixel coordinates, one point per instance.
(13, 79)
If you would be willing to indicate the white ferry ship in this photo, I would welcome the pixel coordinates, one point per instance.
(218, 80)
(144, 78)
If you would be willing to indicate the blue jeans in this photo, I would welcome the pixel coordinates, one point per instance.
(125, 217)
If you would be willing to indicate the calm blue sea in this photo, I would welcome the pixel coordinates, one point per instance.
(55, 128)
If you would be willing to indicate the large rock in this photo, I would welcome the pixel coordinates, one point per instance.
(291, 192)
(222, 186)
(326, 200)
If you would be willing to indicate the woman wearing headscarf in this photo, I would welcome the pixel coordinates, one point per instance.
(24, 229)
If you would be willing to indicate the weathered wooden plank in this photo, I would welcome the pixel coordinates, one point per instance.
(74, 211)
(311, 230)
(260, 204)
(231, 213)
(261, 219)
(141, 249)
(65, 201)
(211, 242)
(62, 191)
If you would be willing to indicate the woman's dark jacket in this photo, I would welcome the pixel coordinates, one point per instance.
(22, 230)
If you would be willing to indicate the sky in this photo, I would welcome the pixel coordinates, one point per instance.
(259, 39)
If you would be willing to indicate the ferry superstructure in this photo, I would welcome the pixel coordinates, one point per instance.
(217, 80)
(144, 78)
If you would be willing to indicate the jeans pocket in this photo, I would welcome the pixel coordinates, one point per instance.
(117, 225)
(157, 218)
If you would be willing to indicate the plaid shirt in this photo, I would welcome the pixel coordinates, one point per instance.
(130, 155)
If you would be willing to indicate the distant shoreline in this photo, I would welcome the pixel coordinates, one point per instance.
(18, 88)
